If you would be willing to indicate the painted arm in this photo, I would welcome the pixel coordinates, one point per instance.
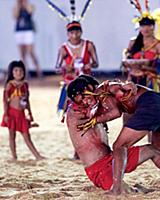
(108, 112)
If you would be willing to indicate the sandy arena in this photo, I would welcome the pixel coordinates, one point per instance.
(58, 177)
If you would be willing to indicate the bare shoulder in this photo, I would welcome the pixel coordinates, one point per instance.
(62, 50)
(90, 44)
(8, 85)
(158, 45)
(25, 82)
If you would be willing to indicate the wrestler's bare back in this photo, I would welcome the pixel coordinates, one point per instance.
(89, 147)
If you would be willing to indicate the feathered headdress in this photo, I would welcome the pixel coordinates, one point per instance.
(73, 16)
(146, 17)
(156, 16)
(143, 14)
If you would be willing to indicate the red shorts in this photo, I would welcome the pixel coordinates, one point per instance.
(16, 121)
(100, 173)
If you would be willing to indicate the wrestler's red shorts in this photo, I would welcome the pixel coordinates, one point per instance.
(100, 173)
(16, 121)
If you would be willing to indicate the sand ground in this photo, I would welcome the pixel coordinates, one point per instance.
(58, 177)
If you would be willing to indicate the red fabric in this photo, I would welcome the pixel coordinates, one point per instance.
(85, 59)
(147, 54)
(23, 89)
(16, 121)
(100, 173)
(68, 78)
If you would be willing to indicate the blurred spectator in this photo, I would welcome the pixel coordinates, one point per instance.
(24, 32)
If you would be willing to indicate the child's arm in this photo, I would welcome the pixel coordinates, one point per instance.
(6, 99)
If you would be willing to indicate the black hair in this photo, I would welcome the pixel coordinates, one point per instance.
(137, 46)
(80, 84)
(75, 27)
(76, 87)
(92, 81)
(11, 66)
(146, 21)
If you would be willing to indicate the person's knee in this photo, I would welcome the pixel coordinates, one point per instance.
(12, 135)
(117, 146)
(155, 141)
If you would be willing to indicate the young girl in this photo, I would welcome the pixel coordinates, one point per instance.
(16, 103)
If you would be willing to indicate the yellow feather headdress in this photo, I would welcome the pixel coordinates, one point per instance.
(155, 15)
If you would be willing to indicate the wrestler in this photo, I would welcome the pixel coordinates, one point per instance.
(116, 98)
(94, 154)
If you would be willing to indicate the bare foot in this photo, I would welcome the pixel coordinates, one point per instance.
(12, 160)
(75, 156)
(125, 189)
(40, 158)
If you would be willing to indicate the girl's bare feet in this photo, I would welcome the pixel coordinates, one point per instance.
(40, 158)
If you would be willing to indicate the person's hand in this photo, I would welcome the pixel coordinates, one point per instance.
(87, 67)
(69, 68)
(33, 124)
(58, 70)
(130, 86)
(31, 118)
(6, 119)
(87, 125)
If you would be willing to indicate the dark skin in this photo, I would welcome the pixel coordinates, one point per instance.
(74, 37)
(88, 148)
(127, 136)
(14, 102)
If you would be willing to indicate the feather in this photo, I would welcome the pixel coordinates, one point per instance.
(136, 5)
(147, 5)
(86, 6)
(62, 98)
(60, 12)
(73, 9)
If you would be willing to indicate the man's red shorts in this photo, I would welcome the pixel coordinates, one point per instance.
(100, 173)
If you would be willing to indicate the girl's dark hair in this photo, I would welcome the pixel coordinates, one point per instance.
(137, 46)
(11, 66)
(146, 21)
